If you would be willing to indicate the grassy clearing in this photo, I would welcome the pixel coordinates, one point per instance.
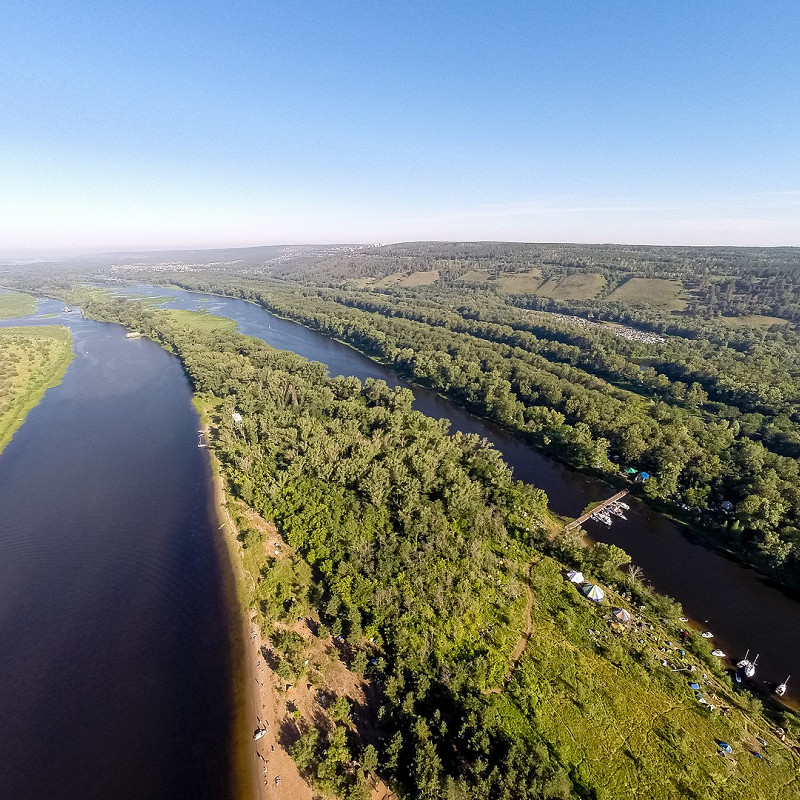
(360, 283)
(656, 292)
(420, 278)
(752, 321)
(16, 304)
(388, 280)
(622, 722)
(475, 276)
(577, 286)
(520, 282)
(198, 320)
(31, 361)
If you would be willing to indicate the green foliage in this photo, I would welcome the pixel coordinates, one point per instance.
(419, 541)
(15, 304)
(32, 359)
(710, 413)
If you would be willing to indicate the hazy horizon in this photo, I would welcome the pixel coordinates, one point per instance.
(170, 126)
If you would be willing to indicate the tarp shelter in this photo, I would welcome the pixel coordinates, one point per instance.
(630, 470)
(643, 476)
(620, 614)
(593, 592)
(575, 577)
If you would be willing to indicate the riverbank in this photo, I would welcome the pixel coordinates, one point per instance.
(32, 360)
(258, 763)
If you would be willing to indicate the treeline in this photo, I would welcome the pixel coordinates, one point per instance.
(407, 531)
(698, 457)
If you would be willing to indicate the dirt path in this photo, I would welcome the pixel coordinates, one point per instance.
(523, 639)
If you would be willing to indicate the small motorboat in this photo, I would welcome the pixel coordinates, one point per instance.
(259, 733)
(601, 516)
(617, 512)
(707, 635)
(780, 689)
(719, 654)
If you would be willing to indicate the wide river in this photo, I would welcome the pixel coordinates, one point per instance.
(115, 619)
(741, 608)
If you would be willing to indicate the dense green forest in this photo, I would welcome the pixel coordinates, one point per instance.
(714, 420)
(423, 557)
(682, 362)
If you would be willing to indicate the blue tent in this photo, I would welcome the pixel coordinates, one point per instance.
(694, 686)
(643, 476)
(726, 747)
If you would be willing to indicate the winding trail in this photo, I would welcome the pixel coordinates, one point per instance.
(524, 638)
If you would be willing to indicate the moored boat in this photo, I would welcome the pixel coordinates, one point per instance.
(746, 667)
(780, 689)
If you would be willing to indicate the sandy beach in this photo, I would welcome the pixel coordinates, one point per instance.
(272, 773)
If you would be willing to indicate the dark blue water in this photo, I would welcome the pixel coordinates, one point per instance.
(737, 604)
(115, 627)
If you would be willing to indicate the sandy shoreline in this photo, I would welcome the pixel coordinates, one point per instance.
(265, 760)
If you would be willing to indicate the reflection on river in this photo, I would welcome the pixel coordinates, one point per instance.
(115, 677)
(742, 610)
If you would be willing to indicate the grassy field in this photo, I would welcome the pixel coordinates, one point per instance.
(31, 361)
(388, 280)
(16, 304)
(752, 321)
(198, 320)
(420, 278)
(577, 286)
(520, 282)
(656, 292)
(475, 276)
(621, 721)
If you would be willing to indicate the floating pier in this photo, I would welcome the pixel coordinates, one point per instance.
(599, 507)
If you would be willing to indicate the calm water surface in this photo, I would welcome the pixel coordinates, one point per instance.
(739, 606)
(115, 677)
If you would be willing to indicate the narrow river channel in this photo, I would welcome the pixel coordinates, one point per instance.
(115, 614)
(742, 609)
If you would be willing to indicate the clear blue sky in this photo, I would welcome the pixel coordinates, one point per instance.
(137, 124)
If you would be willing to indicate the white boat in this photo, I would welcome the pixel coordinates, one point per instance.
(623, 505)
(719, 654)
(707, 635)
(601, 516)
(259, 733)
(617, 512)
(780, 689)
(747, 667)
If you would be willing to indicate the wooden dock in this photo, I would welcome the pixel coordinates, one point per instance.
(599, 507)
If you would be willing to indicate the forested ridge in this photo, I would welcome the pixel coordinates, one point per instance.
(418, 546)
(715, 280)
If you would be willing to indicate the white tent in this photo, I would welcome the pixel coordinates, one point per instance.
(593, 592)
(620, 614)
(575, 577)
